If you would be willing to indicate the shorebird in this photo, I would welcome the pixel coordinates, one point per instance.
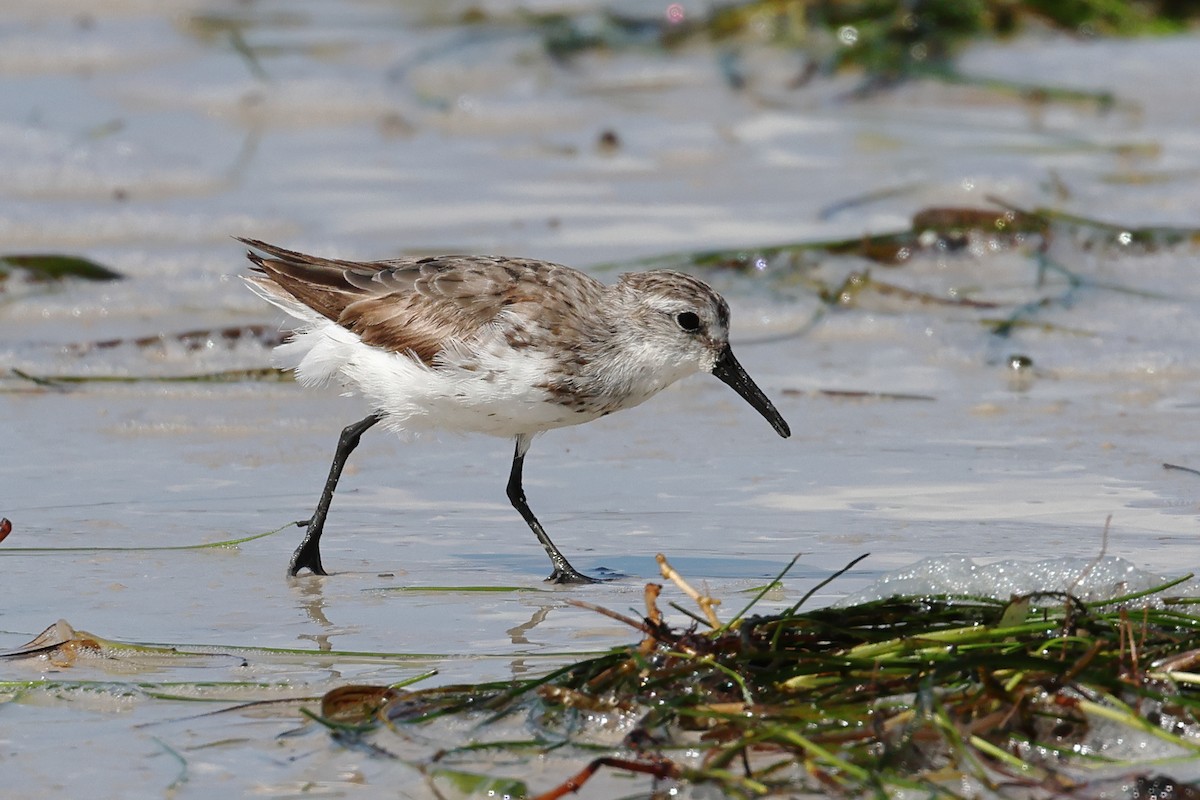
(509, 347)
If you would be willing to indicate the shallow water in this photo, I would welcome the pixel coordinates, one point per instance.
(144, 139)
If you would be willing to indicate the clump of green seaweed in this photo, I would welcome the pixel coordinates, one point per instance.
(945, 232)
(943, 696)
(50, 268)
(888, 40)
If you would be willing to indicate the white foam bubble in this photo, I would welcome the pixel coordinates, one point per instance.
(1088, 579)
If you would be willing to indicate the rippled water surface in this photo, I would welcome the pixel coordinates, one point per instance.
(145, 135)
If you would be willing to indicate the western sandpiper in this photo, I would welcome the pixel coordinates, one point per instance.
(504, 346)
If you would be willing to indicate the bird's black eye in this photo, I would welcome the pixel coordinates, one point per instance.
(688, 320)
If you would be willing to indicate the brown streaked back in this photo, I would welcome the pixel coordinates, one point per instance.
(419, 305)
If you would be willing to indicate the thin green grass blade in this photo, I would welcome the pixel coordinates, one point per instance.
(12, 551)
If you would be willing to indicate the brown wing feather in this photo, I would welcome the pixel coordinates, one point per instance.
(421, 305)
(409, 323)
(318, 283)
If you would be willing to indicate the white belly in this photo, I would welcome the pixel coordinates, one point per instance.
(494, 392)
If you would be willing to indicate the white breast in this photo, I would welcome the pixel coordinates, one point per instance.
(492, 390)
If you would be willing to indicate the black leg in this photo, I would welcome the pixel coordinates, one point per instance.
(563, 571)
(308, 554)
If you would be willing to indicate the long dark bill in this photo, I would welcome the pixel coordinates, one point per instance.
(731, 373)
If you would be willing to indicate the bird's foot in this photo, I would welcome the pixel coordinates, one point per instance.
(568, 574)
(308, 558)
